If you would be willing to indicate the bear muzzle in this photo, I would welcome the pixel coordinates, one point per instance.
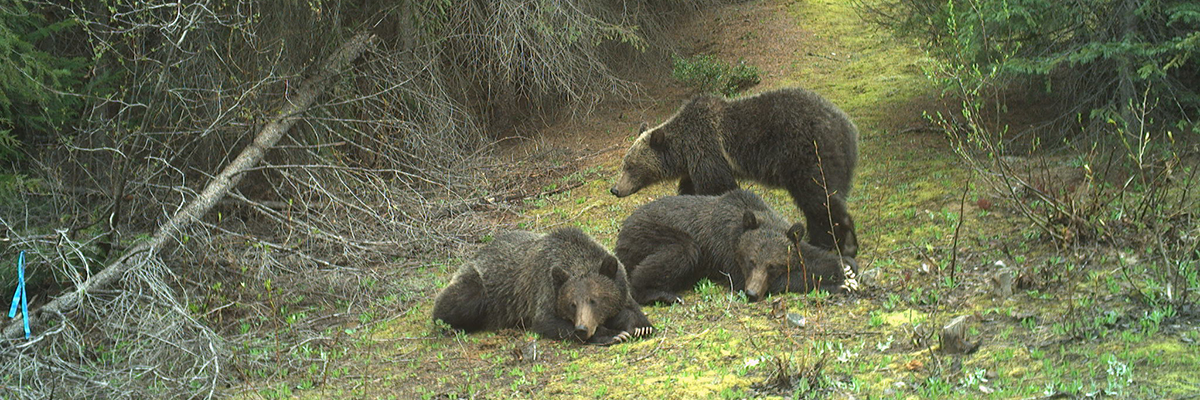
(585, 326)
(625, 186)
(756, 284)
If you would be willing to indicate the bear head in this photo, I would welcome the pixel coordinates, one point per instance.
(645, 162)
(768, 258)
(660, 153)
(764, 255)
(588, 300)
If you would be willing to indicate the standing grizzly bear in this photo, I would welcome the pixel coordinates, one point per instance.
(560, 285)
(789, 138)
(672, 242)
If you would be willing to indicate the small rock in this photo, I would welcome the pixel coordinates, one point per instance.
(869, 277)
(530, 352)
(796, 320)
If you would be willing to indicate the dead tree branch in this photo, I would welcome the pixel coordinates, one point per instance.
(296, 105)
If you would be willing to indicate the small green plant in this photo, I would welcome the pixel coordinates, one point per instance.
(890, 303)
(707, 289)
(1153, 320)
(731, 393)
(1120, 375)
(876, 319)
(706, 73)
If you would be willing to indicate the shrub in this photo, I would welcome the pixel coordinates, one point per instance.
(707, 74)
(1131, 189)
(1096, 57)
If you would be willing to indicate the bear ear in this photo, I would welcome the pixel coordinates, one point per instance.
(796, 232)
(657, 139)
(560, 276)
(749, 220)
(609, 267)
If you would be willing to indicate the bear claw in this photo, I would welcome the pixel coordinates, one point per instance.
(619, 338)
(643, 331)
(851, 282)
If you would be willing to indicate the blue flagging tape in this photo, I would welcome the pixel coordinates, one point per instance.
(19, 298)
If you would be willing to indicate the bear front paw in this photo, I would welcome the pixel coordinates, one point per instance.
(618, 338)
(850, 284)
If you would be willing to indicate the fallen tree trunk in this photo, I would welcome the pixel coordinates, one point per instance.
(296, 105)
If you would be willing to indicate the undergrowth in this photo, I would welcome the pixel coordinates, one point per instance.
(706, 73)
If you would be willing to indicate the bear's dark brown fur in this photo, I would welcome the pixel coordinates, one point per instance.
(789, 138)
(776, 260)
(561, 285)
(672, 242)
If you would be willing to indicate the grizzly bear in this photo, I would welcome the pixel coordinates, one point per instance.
(670, 243)
(789, 138)
(561, 285)
(779, 261)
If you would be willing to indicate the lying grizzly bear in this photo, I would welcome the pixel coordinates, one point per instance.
(562, 285)
(670, 243)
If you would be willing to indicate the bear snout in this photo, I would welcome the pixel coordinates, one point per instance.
(756, 284)
(585, 325)
(626, 185)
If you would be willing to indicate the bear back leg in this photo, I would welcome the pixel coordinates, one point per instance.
(819, 210)
(463, 305)
(673, 264)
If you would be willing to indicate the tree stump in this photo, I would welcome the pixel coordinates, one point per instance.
(1002, 283)
(954, 336)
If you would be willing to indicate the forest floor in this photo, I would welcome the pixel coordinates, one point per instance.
(1072, 329)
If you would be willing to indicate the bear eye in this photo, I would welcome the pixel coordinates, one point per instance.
(592, 302)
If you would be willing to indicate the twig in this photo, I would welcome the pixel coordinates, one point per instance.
(962, 205)
(507, 197)
(598, 152)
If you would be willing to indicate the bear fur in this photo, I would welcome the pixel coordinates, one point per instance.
(775, 260)
(789, 138)
(562, 285)
(670, 243)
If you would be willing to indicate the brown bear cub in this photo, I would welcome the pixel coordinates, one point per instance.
(561, 285)
(789, 138)
(670, 243)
